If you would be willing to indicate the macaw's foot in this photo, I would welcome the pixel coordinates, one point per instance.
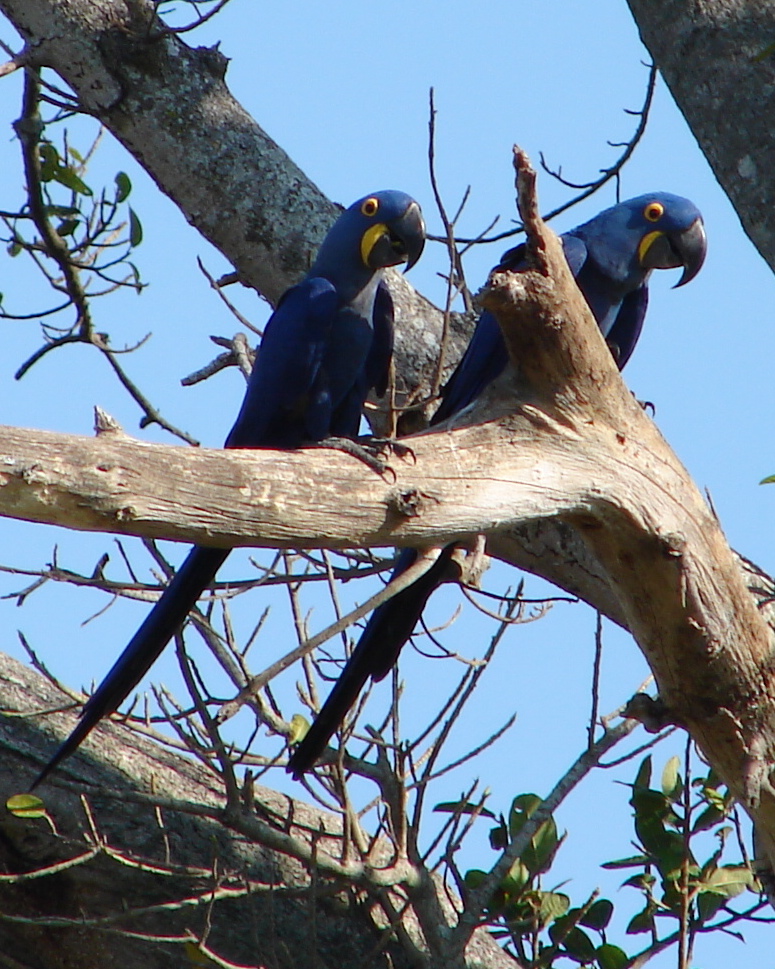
(647, 406)
(381, 444)
(363, 452)
(370, 450)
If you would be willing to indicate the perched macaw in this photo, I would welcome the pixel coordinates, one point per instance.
(327, 344)
(611, 257)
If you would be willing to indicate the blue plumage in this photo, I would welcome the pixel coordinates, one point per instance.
(325, 347)
(611, 257)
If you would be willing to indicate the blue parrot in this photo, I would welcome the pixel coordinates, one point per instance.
(327, 344)
(611, 257)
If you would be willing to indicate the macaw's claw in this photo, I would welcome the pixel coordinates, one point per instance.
(392, 444)
(370, 450)
(357, 450)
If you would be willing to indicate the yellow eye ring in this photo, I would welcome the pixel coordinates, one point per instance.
(370, 206)
(653, 212)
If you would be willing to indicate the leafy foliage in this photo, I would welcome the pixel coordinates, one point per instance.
(680, 895)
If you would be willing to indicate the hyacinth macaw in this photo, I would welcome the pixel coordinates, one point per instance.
(327, 344)
(611, 257)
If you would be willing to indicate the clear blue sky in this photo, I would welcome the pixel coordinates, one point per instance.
(344, 89)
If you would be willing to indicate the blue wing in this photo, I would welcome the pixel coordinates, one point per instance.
(376, 345)
(624, 333)
(276, 408)
(381, 352)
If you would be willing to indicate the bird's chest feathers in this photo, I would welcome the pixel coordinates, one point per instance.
(604, 290)
(353, 330)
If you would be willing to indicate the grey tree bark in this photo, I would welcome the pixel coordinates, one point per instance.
(134, 882)
(718, 59)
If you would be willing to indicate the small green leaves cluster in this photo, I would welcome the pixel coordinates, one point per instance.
(98, 232)
(680, 892)
(682, 895)
(79, 239)
(542, 926)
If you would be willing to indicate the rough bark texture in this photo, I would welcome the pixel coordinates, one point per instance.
(282, 924)
(718, 60)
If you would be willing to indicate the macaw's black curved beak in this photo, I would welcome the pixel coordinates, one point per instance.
(401, 240)
(669, 250)
(409, 234)
(692, 247)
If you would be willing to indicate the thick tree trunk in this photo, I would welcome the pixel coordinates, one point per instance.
(140, 886)
(718, 60)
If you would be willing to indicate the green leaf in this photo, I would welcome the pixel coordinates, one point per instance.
(643, 881)
(463, 807)
(517, 878)
(611, 957)
(708, 818)
(672, 784)
(299, 728)
(665, 847)
(770, 479)
(14, 249)
(26, 806)
(721, 800)
(643, 777)
(135, 229)
(642, 922)
(499, 837)
(68, 178)
(553, 905)
(49, 161)
(649, 803)
(539, 853)
(578, 945)
(123, 186)
(729, 880)
(708, 903)
(522, 807)
(599, 914)
(474, 878)
(138, 285)
(62, 210)
(634, 861)
(68, 227)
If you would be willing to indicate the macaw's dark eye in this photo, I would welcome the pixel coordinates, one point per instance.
(654, 211)
(370, 206)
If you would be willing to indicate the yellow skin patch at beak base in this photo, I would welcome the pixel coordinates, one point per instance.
(369, 240)
(646, 243)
